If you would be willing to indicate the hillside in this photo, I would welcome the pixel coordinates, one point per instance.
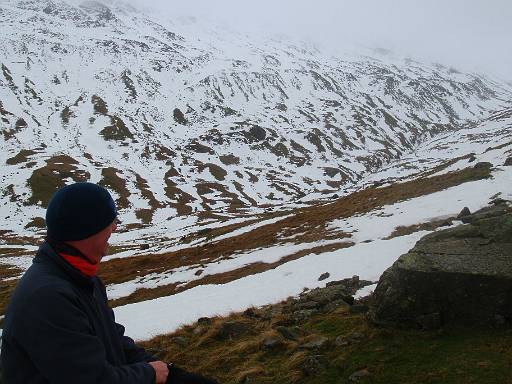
(184, 119)
(240, 164)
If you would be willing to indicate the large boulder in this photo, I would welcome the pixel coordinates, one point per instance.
(458, 276)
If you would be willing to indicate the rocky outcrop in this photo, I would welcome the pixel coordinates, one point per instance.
(458, 276)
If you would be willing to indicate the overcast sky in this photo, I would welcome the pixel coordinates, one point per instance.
(467, 34)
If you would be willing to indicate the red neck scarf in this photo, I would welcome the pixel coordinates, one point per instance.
(81, 264)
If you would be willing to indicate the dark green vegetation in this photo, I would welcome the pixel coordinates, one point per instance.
(355, 351)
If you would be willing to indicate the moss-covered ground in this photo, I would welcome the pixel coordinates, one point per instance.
(380, 355)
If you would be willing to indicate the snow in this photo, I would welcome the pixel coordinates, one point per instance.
(235, 261)
(365, 291)
(163, 315)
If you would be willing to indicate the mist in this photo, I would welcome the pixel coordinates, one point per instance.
(470, 35)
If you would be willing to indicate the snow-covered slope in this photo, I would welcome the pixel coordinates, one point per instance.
(180, 118)
(373, 244)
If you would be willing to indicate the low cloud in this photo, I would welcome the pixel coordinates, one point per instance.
(472, 35)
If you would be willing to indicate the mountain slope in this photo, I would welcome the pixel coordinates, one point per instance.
(176, 117)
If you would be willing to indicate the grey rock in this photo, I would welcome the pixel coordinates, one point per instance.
(333, 305)
(483, 165)
(314, 364)
(307, 305)
(316, 343)
(288, 333)
(465, 212)
(252, 313)
(325, 295)
(508, 162)
(355, 337)
(181, 341)
(179, 117)
(272, 343)
(302, 315)
(199, 330)
(258, 132)
(233, 329)
(460, 276)
(204, 321)
(358, 375)
(324, 276)
(341, 341)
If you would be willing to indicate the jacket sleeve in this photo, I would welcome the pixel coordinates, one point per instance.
(56, 334)
(133, 353)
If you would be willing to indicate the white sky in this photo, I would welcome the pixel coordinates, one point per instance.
(467, 34)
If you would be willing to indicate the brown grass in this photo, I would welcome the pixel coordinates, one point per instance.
(428, 226)
(21, 157)
(112, 181)
(45, 181)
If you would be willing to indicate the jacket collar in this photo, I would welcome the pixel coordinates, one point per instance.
(47, 255)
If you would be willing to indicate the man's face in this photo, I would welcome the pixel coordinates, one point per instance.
(99, 241)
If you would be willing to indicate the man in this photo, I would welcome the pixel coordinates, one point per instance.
(58, 327)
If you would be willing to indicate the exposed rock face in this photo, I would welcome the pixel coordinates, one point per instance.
(461, 275)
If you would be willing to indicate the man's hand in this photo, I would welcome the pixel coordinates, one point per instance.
(180, 376)
(161, 371)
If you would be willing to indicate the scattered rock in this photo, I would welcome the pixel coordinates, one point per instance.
(272, 343)
(471, 158)
(180, 340)
(508, 162)
(324, 276)
(307, 305)
(199, 272)
(144, 246)
(314, 364)
(316, 343)
(251, 313)
(465, 212)
(358, 375)
(483, 165)
(199, 330)
(333, 305)
(352, 284)
(498, 201)
(353, 338)
(288, 333)
(204, 320)
(326, 295)
(258, 133)
(233, 329)
(179, 117)
(305, 314)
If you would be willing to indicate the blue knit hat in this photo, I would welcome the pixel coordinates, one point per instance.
(78, 211)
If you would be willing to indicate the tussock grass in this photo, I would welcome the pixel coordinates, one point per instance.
(448, 356)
